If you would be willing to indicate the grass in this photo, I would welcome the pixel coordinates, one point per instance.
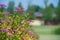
(45, 29)
(47, 32)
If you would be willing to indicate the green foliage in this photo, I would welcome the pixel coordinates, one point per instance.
(1, 9)
(52, 6)
(32, 9)
(58, 12)
(48, 13)
(57, 31)
(20, 5)
(41, 10)
(10, 7)
(15, 27)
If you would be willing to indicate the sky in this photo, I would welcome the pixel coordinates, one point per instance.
(33, 2)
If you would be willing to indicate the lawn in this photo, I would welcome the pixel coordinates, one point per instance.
(47, 32)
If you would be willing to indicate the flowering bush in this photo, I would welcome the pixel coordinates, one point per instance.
(15, 26)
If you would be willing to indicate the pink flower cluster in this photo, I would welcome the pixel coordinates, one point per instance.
(19, 9)
(6, 13)
(8, 20)
(4, 30)
(2, 5)
(29, 32)
(22, 29)
(14, 31)
(9, 35)
(33, 35)
(1, 21)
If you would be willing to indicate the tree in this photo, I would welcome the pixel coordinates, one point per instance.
(41, 9)
(10, 7)
(48, 13)
(58, 11)
(52, 6)
(32, 9)
(45, 1)
(2, 9)
(20, 4)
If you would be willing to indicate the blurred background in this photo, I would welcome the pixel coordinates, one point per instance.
(45, 15)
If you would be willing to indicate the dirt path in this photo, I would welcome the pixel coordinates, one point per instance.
(36, 22)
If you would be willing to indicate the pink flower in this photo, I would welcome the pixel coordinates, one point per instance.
(34, 36)
(22, 29)
(29, 32)
(9, 35)
(19, 9)
(2, 5)
(14, 31)
(8, 20)
(6, 13)
(4, 30)
(1, 21)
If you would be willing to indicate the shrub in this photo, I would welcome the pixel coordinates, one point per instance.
(15, 26)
